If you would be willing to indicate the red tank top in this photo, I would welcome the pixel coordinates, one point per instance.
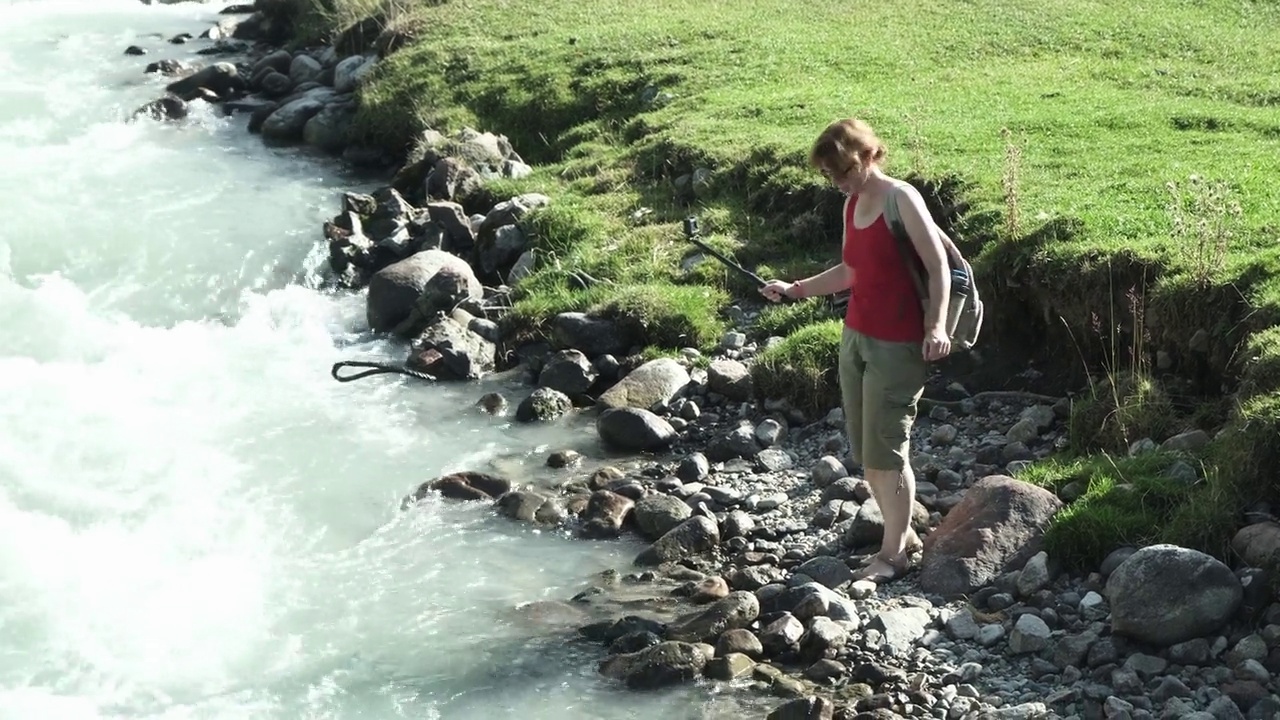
(883, 303)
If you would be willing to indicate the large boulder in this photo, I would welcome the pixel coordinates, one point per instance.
(168, 107)
(605, 515)
(483, 152)
(390, 222)
(329, 129)
(450, 351)
(654, 382)
(694, 536)
(531, 506)
(667, 663)
(352, 255)
(287, 124)
(1164, 594)
(793, 598)
(222, 78)
(568, 371)
(657, 514)
(453, 180)
(304, 69)
(500, 240)
(544, 404)
(997, 527)
(466, 485)
(452, 219)
(1259, 545)
(740, 442)
(634, 429)
(510, 212)
(277, 61)
(814, 707)
(867, 527)
(432, 281)
(497, 251)
(730, 378)
(593, 336)
(350, 72)
(738, 609)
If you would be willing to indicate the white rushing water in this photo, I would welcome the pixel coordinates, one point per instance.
(196, 521)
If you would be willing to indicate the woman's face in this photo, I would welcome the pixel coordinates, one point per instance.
(849, 178)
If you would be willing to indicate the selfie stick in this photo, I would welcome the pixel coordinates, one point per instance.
(691, 232)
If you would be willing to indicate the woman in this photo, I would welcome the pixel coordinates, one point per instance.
(889, 336)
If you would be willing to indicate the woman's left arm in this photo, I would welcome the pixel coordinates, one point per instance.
(924, 237)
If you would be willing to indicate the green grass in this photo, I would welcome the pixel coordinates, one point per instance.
(1057, 142)
(1122, 500)
(660, 315)
(784, 319)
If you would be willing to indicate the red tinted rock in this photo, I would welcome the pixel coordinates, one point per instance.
(997, 527)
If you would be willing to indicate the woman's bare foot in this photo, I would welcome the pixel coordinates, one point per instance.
(881, 570)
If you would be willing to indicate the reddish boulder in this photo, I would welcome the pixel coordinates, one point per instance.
(996, 528)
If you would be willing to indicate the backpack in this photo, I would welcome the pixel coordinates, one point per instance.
(965, 309)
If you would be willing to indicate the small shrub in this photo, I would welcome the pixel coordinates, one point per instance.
(562, 227)
(784, 319)
(1203, 216)
(1121, 409)
(803, 368)
(1208, 518)
(670, 316)
(1260, 367)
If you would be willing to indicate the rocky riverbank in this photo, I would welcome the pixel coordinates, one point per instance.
(753, 521)
(756, 529)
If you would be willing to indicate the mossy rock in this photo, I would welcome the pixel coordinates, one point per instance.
(803, 368)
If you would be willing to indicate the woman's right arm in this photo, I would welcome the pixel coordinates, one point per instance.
(831, 280)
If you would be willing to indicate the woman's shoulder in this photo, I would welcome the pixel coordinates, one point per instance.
(903, 192)
(899, 185)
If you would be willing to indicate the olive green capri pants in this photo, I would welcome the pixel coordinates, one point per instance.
(880, 385)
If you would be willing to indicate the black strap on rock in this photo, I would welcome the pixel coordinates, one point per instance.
(378, 369)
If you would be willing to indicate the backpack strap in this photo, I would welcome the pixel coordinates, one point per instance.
(893, 218)
(955, 259)
(844, 222)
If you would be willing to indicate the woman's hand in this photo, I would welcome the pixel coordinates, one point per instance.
(936, 344)
(775, 290)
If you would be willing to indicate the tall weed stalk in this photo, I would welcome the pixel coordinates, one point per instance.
(1009, 182)
(1126, 404)
(1204, 216)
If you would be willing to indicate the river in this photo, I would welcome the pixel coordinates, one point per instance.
(196, 520)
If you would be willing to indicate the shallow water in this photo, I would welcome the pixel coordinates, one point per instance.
(196, 521)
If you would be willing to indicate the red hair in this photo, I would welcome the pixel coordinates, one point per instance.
(846, 143)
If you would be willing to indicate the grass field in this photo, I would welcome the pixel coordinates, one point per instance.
(1107, 166)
